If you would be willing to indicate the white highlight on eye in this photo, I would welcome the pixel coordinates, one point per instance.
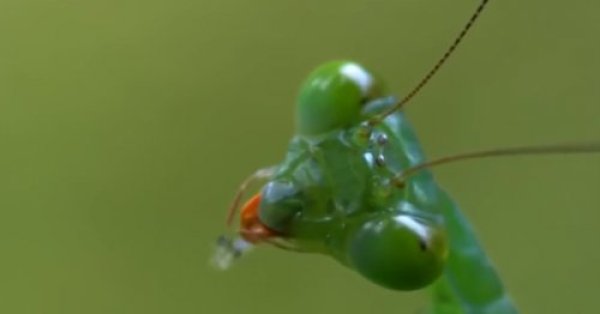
(359, 76)
(413, 225)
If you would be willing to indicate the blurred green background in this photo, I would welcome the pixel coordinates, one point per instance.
(126, 126)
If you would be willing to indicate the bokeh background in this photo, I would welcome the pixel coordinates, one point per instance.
(126, 126)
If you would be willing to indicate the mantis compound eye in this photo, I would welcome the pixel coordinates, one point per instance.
(333, 95)
(399, 251)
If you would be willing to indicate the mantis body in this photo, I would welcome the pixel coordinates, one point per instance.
(356, 186)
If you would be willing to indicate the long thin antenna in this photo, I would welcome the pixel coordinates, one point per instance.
(567, 148)
(377, 119)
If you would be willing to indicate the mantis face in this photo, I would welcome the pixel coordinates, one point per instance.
(320, 198)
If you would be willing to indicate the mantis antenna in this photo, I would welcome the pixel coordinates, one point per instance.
(377, 119)
(552, 149)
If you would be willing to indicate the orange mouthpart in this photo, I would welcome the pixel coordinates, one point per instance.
(252, 230)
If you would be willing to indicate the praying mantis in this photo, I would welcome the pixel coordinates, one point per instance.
(355, 185)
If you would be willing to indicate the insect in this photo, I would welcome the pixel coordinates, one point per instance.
(356, 186)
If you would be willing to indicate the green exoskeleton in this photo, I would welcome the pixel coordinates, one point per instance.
(356, 186)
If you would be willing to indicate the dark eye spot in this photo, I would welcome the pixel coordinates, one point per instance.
(423, 245)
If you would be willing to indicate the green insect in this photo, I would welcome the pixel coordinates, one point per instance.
(356, 186)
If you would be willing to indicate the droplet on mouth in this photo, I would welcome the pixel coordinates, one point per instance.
(228, 250)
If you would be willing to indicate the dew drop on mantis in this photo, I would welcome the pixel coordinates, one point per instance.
(355, 185)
